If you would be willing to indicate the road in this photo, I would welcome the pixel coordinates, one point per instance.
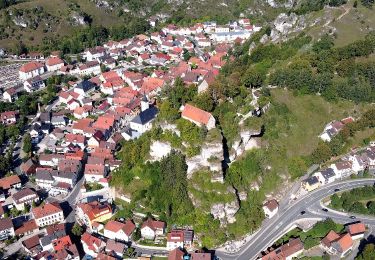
(274, 228)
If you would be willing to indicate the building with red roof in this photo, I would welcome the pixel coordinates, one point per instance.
(198, 116)
(175, 239)
(356, 230)
(88, 213)
(176, 254)
(92, 245)
(47, 214)
(54, 64)
(30, 70)
(118, 230)
(152, 228)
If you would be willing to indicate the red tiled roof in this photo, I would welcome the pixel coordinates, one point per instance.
(54, 61)
(176, 254)
(7, 182)
(153, 224)
(114, 226)
(357, 228)
(31, 66)
(196, 114)
(46, 210)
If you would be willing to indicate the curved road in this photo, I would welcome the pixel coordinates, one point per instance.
(274, 228)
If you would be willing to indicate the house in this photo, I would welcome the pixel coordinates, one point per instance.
(176, 254)
(326, 176)
(270, 208)
(30, 70)
(356, 231)
(27, 228)
(24, 197)
(175, 239)
(32, 245)
(9, 117)
(44, 179)
(10, 94)
(359, 162)
(311, 183)
(50, 160)
(6, 228)
(54, 64)
(95, 140)
(342, 245)
(28, 167)
(118, 230)
(342, 169)
(93, 173)
(47, 214)
(33, 84)
(200, 256)
(84, 88)
(331, 130)
(12, 181)
(287, 251)
(230, 36)
(90, 67)
(92, 54)
(88, 213)
(198, 116)
(92, 245)
(152, 228)
(115, 248)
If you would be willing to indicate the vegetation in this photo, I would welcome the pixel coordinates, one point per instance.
(358, 200)
(367, 253)
(312, 237)
(77, 230)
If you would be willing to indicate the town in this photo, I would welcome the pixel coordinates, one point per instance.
(60, 191)
(59, 155)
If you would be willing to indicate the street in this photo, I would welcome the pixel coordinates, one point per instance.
(273, 229)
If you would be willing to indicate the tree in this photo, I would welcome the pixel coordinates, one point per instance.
(368, 253)
(27, 144)
(253, 78)
(336, 202)
(371, 207)
(77, 230)
(136, 234)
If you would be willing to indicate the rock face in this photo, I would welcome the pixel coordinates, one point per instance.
(19, 21)
(225, 212)
(278, 4)
(158, 150)
(211, 156)
(246, 142)
(78, 19)
(170, 127)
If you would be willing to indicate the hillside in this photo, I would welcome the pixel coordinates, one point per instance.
(41, 24)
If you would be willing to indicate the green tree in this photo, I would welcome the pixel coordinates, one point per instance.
(136, 234)
(336, 201)
(77, 230)
(27, 144)
(368, 253)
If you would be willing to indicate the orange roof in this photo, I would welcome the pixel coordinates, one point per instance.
(345, 242)
(31, 66)
(329, 238)
(153, 224)
(114, 226)
(61, 242)
(26, 227)
(94, 169)
(93, 243)
(7, 182)
(357, 228)
(151, 84)
(54, 61)
(95, 209)
(196, 114)
(176, 236)
(46, 210)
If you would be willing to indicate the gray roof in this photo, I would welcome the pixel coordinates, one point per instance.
(312, 180)
(145, 116)
(86, 85)
(46, 240)
(43, 175)
(328, 173)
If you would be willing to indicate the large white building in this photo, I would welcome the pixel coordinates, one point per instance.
(47, 214)
(30, 70)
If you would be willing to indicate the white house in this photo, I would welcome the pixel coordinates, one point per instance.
(359, 162)
(33, 84)
(94, 172)
(118, 230)
(152, 228)
(30, 70)
(326, 176)
(92, 245)
(356, 230)
(143, 121)
(175, 239)
(47, 214)
(54, 64)
(6, 228)
(23, 197)
(270, 208)
(342, 169)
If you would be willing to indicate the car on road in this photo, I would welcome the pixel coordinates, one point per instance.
(324, 209)
(303, 212)
(353, 217)
(336, 190)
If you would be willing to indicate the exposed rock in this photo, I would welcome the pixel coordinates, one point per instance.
(279, 4)
(170, 127)
(242, 195)
(78, 19)
(211, 156)
(246, 142)
(159, 149)
(225, 212)
(20, 21)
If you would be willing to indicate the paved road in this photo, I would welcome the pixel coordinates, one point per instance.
(273, 229)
